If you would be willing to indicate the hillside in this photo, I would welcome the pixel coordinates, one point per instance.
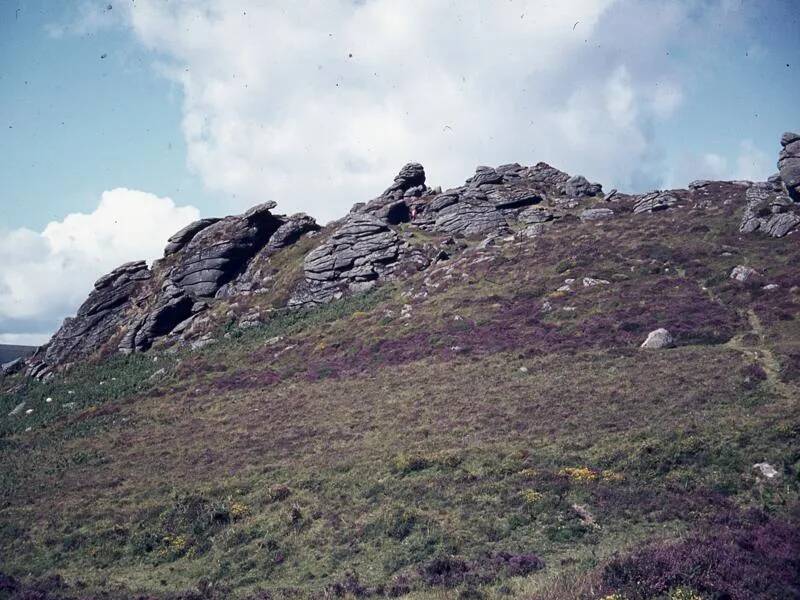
(442, 395)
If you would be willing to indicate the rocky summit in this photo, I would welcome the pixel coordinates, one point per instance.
(134, 306)
(524, 386)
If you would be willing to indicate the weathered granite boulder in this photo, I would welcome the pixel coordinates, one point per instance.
(789, 164)
(100, 317)
(655, 201)
(769, 212)
(185, 235)
(658, 339)
(743, 273)
(360, 251)
(471, 216)
(596, 214)
(221, 251)
(579, 187)
(393, 205)
(536, 214)
(13, 366)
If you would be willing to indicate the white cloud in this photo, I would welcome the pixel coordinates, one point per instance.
(45, 276)
(317, 104)
(742, 162)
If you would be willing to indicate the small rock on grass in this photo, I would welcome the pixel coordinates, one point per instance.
(660, 338)
(764, 470)
(743, 273)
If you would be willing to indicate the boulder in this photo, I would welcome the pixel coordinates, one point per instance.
(769, 212)
(412, 175)
(393, 205)
(660, 338)
(579, 187)
(185, 235)
(743, 273)
(291, 230)
(654, 201)
(596, 214)
(765, 471)
(789, 164)
(12, 366)
(470, 217)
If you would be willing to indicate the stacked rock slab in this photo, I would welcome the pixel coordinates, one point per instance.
(789, 164)
(219, 252)
(393, 205)
(768, 211)
(362, 249)
(654, 202)
(102, 314)
(490, 199)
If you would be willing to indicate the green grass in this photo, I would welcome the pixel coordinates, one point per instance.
(346, 440)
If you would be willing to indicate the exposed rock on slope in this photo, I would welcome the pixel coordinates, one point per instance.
(769, 211)
(360, 251)
(99, 318)
(215, 262)
(789, 164)
(133, 306)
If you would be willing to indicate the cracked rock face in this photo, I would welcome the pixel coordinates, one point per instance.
(185, 235)
(392, 206)
(100, 316)
(579, 187)
(219, 252)
(769, 212)
(655, 201)
(789, 164)
(362, 249)
(470, 217)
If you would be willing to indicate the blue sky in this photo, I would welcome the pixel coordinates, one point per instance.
(120, 120)
(74, 125)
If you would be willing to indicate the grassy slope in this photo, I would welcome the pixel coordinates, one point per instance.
(353, 440)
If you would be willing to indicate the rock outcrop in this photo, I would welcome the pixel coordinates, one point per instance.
(185, 235)
(655, 201)
(769, 212)
(579, 187)
(407, 228)
(99, 318)
(362, 249)
(134, 306)
(789, 164)
(220, 251)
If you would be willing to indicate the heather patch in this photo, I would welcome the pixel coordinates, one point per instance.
(740, 556)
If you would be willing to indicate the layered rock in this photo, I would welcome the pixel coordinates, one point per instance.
(100, 317)
(362, 249)
(133, 306)
(655, 201)
(217, 253)
(789, 164)
(185, 235)
(769, 212)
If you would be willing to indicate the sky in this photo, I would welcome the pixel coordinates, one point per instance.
(123, 120)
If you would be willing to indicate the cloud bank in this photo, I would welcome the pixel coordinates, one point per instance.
(47, 275)
(317, 104)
